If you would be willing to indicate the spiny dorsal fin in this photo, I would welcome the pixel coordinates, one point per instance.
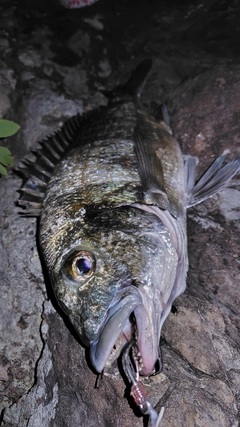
(212, 181)
(151, 173)
(37, 172)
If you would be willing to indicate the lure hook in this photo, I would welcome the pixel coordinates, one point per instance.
(137, 390)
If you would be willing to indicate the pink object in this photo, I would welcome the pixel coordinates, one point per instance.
(75, 4)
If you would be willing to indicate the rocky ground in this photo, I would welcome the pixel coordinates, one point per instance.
(54, 63)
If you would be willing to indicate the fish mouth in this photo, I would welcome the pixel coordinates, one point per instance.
(127, 317)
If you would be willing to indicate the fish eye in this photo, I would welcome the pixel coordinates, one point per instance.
(80, 266)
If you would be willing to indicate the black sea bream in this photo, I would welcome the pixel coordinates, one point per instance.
(112, 190)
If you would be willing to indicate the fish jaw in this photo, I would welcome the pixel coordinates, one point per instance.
(116, 330)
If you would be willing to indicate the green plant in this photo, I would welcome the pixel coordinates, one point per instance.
(7, 128)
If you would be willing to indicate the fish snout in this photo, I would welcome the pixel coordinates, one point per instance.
(127, 317)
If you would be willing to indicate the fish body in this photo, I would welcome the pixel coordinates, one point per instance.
(113, 222)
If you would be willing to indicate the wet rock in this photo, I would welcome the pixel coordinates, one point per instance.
(79, 42)
(105, 69)
(7, 85)
(30, 58)
(4, 43)
(43, 110)
(208, 110)
(5, 104)
(229, 204)
(22, 296)
(95, 22)
(74, 80)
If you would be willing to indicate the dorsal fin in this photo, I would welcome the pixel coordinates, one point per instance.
(37, 172)
(134, 85)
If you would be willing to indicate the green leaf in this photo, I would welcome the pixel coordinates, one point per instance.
(3, 170)
(8, 128)
(5, 156)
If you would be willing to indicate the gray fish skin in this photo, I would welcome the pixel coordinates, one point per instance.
(113, 230)
(132, 248)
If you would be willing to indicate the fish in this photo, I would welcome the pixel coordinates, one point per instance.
(112, 189)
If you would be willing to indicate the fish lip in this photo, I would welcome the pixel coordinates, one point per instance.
(127, 301)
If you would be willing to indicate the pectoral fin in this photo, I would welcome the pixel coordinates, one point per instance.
(151, 172)
(212, 181)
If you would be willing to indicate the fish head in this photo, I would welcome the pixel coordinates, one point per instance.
(112, 272)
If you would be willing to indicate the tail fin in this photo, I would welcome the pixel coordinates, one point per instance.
(212, 181)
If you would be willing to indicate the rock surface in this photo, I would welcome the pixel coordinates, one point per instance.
(54, 63)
